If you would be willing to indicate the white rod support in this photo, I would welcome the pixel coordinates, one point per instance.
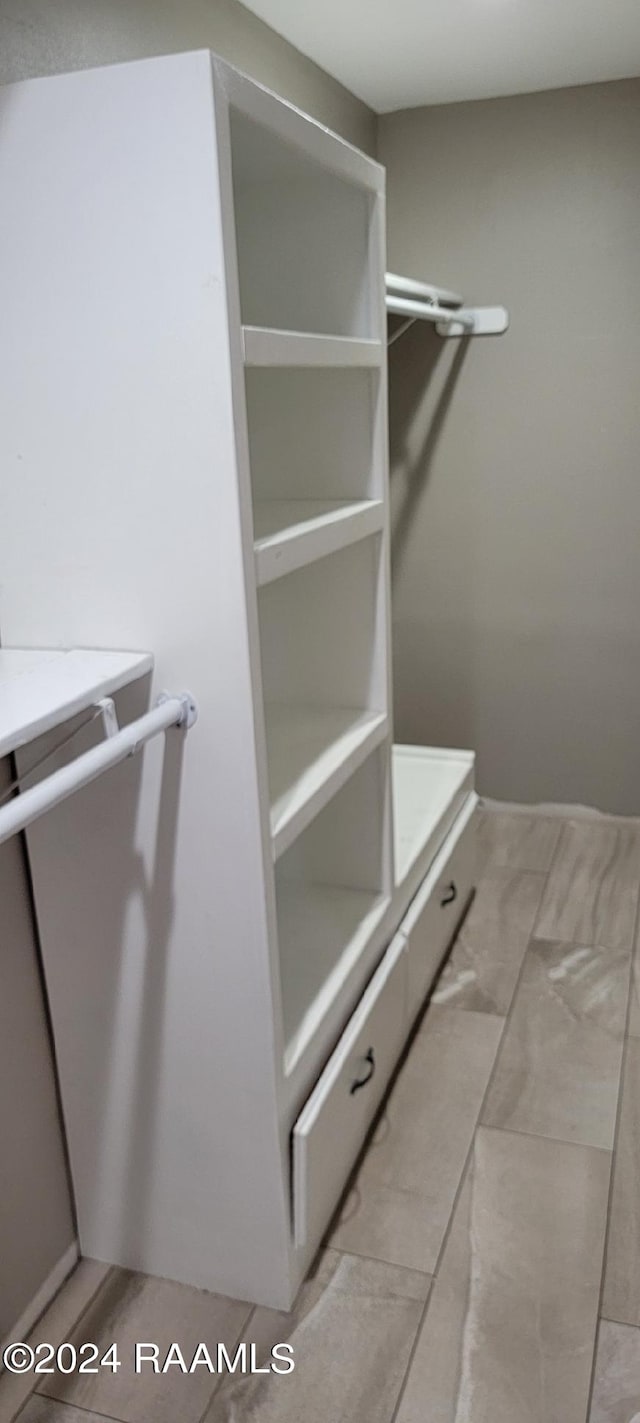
(475, 321)
(30, 805)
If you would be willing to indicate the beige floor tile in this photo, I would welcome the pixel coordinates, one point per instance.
(592, 889)
(45, 1410)
(558, 1073)
(621, 1299)
(516, 841)
(509, 1332)
(352, 1331)
(54, 1327)
(135, 1308)
(487, 955)
(616, 1383)
(401, 1200)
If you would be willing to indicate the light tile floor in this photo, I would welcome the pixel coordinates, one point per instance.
(463, 1277)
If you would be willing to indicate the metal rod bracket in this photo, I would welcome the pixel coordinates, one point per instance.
(189, 707)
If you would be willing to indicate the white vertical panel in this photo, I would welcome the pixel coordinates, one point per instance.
(120, 527)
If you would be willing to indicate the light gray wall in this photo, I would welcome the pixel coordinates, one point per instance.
(516, 462)
(54, 36)
(36, 1225)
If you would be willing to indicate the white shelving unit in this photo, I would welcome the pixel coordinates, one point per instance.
(192, 274)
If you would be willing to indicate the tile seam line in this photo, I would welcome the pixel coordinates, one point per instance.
(244, 1327)
(379, 1260)
(80, 1407)
(619, 1323)
(78, 1320)
(446, 1234)
(463, 1174)
(580, 944)
(614, 1154)
(468, 1158)
(543, 1136)
(564, 820)
(112, 1417)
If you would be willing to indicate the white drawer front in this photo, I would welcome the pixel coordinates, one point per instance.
(432, 918)
(333, 1123)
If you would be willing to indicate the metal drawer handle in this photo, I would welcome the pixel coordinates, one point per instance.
(362, 1081)
(449, 895)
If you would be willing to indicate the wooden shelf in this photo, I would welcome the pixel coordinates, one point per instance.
(311, 752)
(323, 930)
(290, 533)
(266, 346)
(40, 689)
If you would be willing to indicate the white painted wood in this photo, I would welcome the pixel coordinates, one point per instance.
(311, 753)
(43, 1297)
(121, 526)
(430, 786)
(435, 913)
(39, 689)
(292, 533)
(323, 932)
(266, 347)
(288, 274)
(294, 127)
(331, 900)
(321, 633)
(330, 1130)
(158, 453)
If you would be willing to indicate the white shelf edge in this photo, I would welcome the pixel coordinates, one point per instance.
(40, 688)
(308, 540)
(325, 777)
(268, 346)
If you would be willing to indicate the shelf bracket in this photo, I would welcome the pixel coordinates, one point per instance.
(109, 716)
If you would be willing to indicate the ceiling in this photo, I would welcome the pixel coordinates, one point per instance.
(396, 54)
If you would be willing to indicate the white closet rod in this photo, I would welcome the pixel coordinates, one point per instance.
(30, 805)
(427, 311)
(422, 291)
(417, 301)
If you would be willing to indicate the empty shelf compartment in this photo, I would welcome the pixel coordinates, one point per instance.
(316, 486)
(330, 901)
(293, 216)
(323, 659)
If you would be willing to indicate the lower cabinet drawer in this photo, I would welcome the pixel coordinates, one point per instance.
(432, 918)
(333, 1123)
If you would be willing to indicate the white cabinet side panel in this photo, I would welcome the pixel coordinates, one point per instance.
(120, 527)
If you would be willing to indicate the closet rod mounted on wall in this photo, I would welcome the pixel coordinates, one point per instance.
(418, 301)
(179, 711)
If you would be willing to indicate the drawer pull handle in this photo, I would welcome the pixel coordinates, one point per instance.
(362, 1081)
(449, 895)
